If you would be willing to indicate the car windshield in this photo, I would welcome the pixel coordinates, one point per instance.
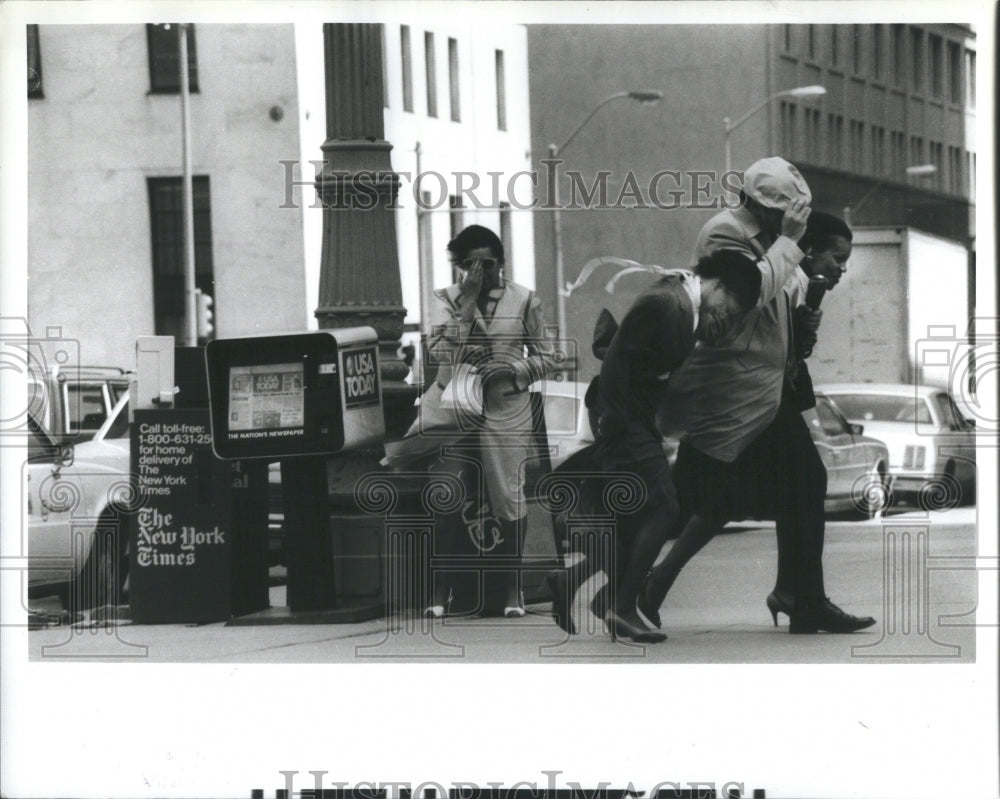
(883, 408)
(832, 424)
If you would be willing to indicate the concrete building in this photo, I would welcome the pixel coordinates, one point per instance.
(105, 161)
(896, 96)
(105, 165)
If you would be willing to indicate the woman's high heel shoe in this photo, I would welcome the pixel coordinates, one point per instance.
(780, 602)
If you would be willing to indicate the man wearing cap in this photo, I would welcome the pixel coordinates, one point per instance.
(727, 396)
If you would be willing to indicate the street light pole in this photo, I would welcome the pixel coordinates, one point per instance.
(798, 91)
(190, 295)
(557, 245)
(645, 96)
(917, 169)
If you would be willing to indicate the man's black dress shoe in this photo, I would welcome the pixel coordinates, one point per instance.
(813, 615)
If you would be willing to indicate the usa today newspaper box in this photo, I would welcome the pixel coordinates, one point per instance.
(299, 398)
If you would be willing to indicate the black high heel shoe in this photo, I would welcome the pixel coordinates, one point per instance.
(811, 616)
(622, 627)
(780, 602)
(649, 601)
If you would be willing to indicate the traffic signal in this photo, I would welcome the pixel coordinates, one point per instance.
(204, 315)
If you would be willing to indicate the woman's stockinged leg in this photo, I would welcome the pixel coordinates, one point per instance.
(696, 533)
(649, 539)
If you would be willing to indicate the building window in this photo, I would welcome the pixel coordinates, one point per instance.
(878, 67)
(835, 45)
(506, 230)
(955, 182)
(856, 49)
(936, 46)
(898, 56)
(787, 38)
(455, 216)
(457, 224)
(501, 91)
(34, 63)
(857, 145)
(431, 68)
(972, 176)
(811, 42)
(970, 79)
(456, 99)
(917, 58)
(878, 150)
(165, 56)
(166, 209)
(954, 73)
(407, 63)
(787, 119)
(937, 158)
(813, 118)
(916, 152)
(835, 138)
(898, 160)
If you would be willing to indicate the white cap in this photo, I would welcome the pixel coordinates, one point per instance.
(775, 183)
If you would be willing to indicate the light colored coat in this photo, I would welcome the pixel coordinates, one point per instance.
(725, 395)
(516, 336)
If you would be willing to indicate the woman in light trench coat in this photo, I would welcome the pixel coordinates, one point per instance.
(495, 327)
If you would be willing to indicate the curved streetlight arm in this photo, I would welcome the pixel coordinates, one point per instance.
(920, 169)
(646, 96)
(850, 210)
(731, 126)
(555, 150)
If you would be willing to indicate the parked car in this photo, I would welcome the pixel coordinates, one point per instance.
(858, 476)
(932, 446)
(71, 402)
(78, 496)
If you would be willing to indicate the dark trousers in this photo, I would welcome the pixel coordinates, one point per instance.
(472, 532)
(799, 513)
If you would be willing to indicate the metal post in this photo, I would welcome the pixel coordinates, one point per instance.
(359, 270)
(190, 299)
(729, 149)
(557, 247)
(425, 258)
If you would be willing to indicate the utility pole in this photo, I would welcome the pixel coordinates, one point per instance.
(190, 297)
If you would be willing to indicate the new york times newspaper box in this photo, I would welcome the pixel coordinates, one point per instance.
(199, 537)
(299, 399)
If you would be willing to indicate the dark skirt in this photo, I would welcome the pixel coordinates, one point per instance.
(747, 488)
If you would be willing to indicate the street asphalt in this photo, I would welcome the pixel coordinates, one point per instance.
(714, 614)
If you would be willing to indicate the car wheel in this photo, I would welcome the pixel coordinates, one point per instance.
(968, 488)
(104, 577)
(872, 494)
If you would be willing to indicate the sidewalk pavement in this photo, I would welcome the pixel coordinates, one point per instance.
(714, 614)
